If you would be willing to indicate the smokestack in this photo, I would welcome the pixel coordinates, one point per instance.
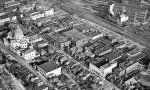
(111, 7)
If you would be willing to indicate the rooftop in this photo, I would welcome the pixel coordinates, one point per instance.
(134, 52)
(57, 37)
(49, 66)
(106, 65)
(145, 80)
(92, 33)
(99, 62)
(113, 55)
(101, 50)
(43, 87)
(34, 37)
(28, 51)
(138, 57)
(75, 34)
(82, 27)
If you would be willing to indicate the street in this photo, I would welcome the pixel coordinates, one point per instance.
(108, 84)
(22, 62)
(88, 15)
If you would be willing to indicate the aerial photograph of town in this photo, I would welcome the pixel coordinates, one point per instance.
(74, 44)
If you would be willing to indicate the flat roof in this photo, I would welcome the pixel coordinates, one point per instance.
(145, 80)
(92, 33)
(57, 37)
(99, 62)
(134, 51)
(103, 49)
(113, 55)
(49, 66)
(75, 34)
(34, 37)
(28, 51)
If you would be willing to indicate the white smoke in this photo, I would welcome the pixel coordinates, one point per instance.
(111, 9)
(123, 18)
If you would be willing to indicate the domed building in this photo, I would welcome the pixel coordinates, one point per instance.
(19, 40)
(18, 34)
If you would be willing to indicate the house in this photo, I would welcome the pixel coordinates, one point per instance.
(76, 36)
(35, 38)
(107, 68)
(49, 69)
(29, 54)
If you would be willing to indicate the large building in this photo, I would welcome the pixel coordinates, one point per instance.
(49, 69)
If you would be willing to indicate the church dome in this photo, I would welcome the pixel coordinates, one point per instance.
(18, 33)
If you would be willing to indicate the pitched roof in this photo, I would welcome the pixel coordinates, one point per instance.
(49, 66)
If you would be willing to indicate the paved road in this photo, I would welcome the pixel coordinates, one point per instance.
(88, 15)
(107, 87)
(22, 62)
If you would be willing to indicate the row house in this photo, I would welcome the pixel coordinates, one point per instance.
(39, 14)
